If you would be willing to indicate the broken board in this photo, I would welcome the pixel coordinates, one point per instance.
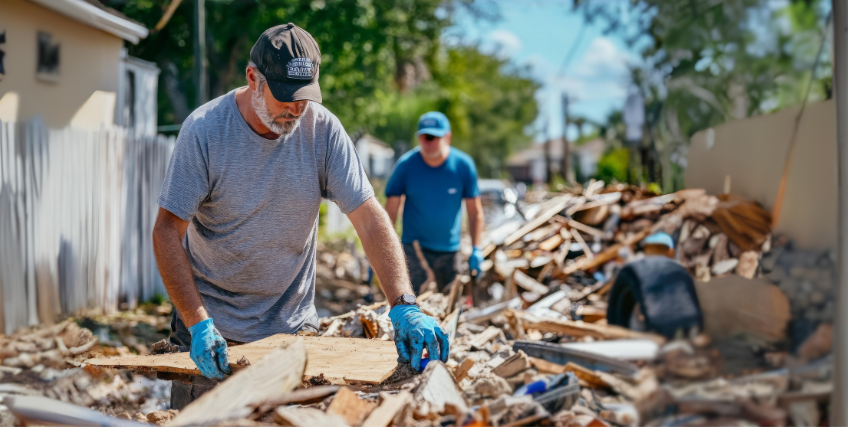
(340, 360)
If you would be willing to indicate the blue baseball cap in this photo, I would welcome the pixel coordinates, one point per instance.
(433, 123)
(659, 239)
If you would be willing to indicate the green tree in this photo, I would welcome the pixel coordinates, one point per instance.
(382, 66)
(708, 62)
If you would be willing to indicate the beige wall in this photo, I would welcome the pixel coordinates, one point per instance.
(89, 62)
(752, 152)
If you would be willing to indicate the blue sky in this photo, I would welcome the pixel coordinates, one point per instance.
(541, 33)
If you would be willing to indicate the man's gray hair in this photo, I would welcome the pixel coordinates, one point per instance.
(260, 78)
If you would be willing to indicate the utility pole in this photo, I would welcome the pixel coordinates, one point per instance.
(566, 152)
(838, 406)
(549, 175)
(200, 61)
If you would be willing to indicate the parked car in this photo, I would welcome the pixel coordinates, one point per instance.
(499, 201)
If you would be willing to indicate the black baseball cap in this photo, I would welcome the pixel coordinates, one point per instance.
(289, 58)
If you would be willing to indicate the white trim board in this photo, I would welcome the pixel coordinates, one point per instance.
(98, 18)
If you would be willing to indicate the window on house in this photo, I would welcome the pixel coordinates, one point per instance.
(129, 101)
(2, 54)
(48, 58)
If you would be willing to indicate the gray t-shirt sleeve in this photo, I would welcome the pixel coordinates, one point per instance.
(186, 183)
(346, 182)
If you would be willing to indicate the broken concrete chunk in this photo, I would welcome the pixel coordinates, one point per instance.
(161, 417)
(489, 385)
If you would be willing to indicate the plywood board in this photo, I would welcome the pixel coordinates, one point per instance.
(340, 360)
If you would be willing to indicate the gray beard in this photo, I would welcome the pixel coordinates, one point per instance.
(261, 109)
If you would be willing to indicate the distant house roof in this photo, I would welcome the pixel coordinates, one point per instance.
(375, 146)
(593, 149)
(536, 151)
(94, 14)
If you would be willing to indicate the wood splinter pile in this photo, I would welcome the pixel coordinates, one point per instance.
(55, 346)
(580, 238)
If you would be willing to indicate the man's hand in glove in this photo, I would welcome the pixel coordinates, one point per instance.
(475, 260)
(413, 331)
(209, 350)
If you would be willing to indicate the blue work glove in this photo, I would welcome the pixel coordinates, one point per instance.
(475, 259)
(209, 350)
(413, 331)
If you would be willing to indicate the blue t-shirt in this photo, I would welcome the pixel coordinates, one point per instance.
(431, 212)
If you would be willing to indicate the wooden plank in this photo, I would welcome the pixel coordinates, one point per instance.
(551, 243)
(341, 360)
(493, 310)
(267, 378)
(592, 231)
(348, 405)
(431, 277)
(603, 199)
(528, 283)
(587, 376)
(386, 412)
(556, 206)
(307, 417)
(606, 255)
(463, 368)
(546, 367)
(541, 233)
(482, 338)
(516, 364)
(301, 396)
(579, 329)
(583, 245)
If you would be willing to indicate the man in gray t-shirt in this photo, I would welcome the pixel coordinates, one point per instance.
(236, 233)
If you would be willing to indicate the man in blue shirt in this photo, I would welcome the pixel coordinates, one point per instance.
(431, 181)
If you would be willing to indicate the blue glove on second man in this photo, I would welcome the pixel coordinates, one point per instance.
(413, 331)
(475, 260)
(209, 350)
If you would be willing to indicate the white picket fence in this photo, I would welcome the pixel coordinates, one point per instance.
(76, 215)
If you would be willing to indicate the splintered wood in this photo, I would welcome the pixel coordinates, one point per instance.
(439, 390)
(348, 405)
(339, 360)
(578, 329)
(388, 409)
(269, 378)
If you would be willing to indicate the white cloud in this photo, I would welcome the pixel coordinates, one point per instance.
(602, 60)
(596, 82)
(502, 43)
(601, 73)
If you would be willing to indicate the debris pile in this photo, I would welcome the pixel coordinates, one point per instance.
(340, 279)
(582, 238)
(48, 362)
(535, 346)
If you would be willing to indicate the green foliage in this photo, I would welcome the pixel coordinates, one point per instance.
(489, 104)
(382, 66)
(613, 166)
(709, 62)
